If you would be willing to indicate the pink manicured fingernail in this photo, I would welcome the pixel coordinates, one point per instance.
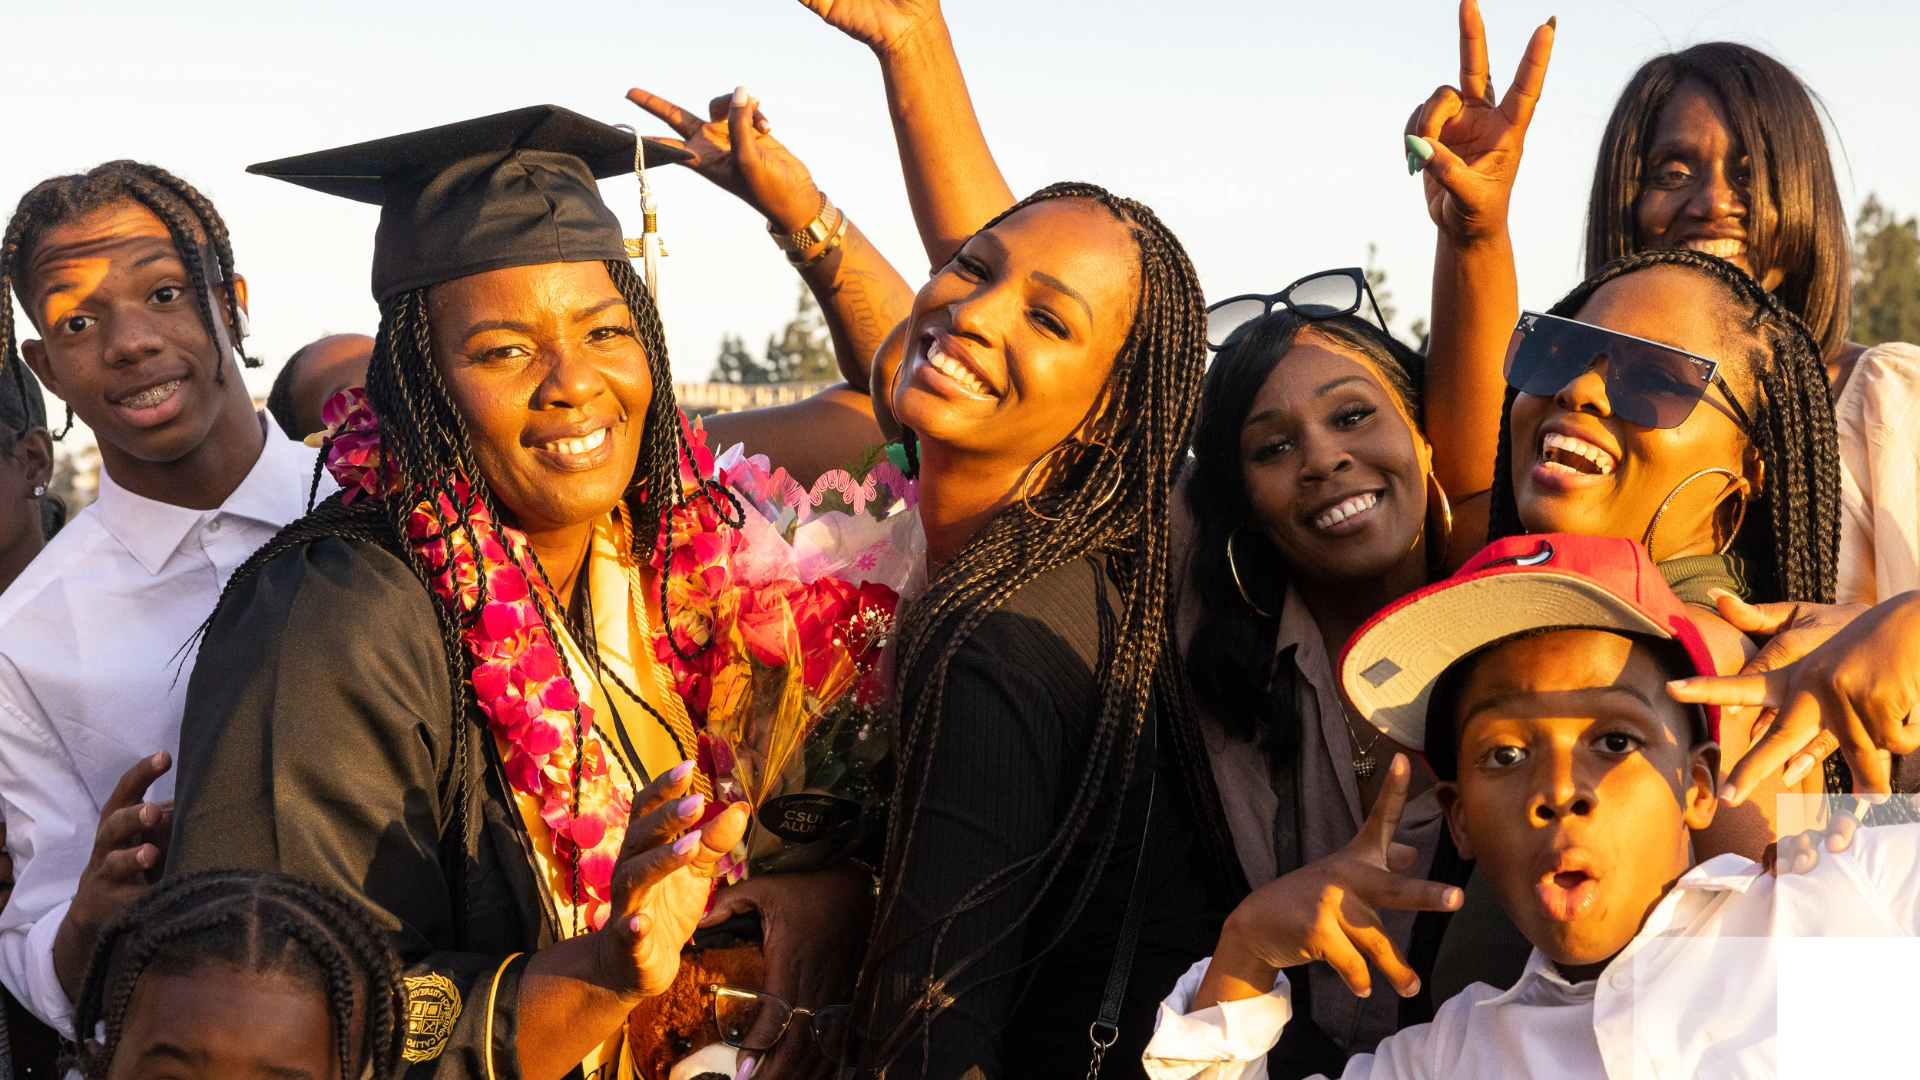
(746, 1069)
(686, 844)
(679, 772)
(691, 806)
(633, 924)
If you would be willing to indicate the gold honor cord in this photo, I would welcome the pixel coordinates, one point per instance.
(640, 646)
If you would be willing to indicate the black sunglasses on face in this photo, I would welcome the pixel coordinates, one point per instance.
(754, 1020)
(1325, 295)
(1648, 384)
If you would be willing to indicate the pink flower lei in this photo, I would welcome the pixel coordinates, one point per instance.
(486, 574)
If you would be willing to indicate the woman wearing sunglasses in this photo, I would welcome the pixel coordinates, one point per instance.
(1318, 496)
(1669, 399)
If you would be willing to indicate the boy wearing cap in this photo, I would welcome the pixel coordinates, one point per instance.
(1535, 681)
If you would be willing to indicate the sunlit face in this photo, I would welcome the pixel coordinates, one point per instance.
(122, 341)
(1696, 182)
(1608, 477)
(1010, 344)
(551, 382)
(1334, 470)
(220, 1023)
(1576, 788)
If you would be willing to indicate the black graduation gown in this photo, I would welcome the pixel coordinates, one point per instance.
(319, 741)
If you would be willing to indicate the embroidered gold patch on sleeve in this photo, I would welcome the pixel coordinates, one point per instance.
(433, 1006)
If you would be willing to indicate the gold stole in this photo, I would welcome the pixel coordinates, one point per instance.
(621, 625)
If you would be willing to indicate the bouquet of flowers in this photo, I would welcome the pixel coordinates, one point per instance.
(776, 635)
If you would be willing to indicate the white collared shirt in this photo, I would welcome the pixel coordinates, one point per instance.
(94, 663)
(1693, 995)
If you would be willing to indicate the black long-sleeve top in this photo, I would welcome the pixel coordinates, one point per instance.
(1017, 719)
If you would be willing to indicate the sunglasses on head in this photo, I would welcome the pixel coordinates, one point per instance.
(1325, 295)
(754, 1020)
(1648, 384)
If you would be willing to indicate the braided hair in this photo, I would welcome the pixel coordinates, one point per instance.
(195, 226)
(257, 922)
(1791, 537)
(1114, 503)
(423, 437)
(1230, 659)
(22, 409)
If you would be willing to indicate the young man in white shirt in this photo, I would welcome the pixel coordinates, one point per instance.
(1536, 681)
(127, 275)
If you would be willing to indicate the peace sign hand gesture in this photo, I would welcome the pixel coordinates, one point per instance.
(1328, 910)
(1476, 143)
(735, 148)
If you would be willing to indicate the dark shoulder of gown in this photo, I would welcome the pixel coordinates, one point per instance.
(1015, 727)
(319, 741)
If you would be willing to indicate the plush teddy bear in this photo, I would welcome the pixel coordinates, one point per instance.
(672, 1036)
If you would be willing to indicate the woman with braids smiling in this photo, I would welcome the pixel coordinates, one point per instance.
(467, 626)
(1055, 851)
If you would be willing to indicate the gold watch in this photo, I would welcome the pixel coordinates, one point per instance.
(816, 231)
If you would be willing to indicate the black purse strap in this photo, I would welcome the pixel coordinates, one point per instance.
(1105, 1030)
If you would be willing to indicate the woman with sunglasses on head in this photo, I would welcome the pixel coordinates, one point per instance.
(1315, 498)
(1055, 846)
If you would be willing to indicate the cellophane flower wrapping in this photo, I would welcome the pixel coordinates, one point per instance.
(779, 644)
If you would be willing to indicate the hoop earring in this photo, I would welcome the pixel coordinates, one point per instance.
(1234, 569)
(1739, 519)
(1026, 478)
(1438, 529)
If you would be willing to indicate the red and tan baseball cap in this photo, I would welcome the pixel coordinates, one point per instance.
(1521, 583)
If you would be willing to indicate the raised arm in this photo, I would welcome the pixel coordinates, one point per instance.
(861, 295)
(1472, 148)
(953, 183)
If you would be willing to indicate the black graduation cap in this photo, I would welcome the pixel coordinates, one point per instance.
(512, 189)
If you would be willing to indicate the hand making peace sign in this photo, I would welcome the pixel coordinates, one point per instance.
(1477, 143)
(735, 148)
(1329, 910)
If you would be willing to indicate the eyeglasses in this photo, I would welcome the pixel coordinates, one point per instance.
(1325, 295)
(1648, 384)
(754, 1020)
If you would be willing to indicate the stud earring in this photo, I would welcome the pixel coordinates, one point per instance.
(39, 490)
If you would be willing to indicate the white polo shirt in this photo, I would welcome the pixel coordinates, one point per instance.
(94, 663)
(1693, 995)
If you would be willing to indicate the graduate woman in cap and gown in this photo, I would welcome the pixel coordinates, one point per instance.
(437, 691)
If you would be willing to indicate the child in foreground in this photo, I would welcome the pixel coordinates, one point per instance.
(242, 974)
(1535, 682)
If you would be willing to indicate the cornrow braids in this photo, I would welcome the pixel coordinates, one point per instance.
(423, 437)
(257, 922)
(1791, 536)
(1114, 503)
(191, 220)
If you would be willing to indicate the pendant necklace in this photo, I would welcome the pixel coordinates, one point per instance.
(1363, 763)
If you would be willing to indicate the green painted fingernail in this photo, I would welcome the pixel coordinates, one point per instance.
(1413, 163)
(1553, 22)
(1419, 148)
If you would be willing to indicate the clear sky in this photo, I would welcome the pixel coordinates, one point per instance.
(1267, 134)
